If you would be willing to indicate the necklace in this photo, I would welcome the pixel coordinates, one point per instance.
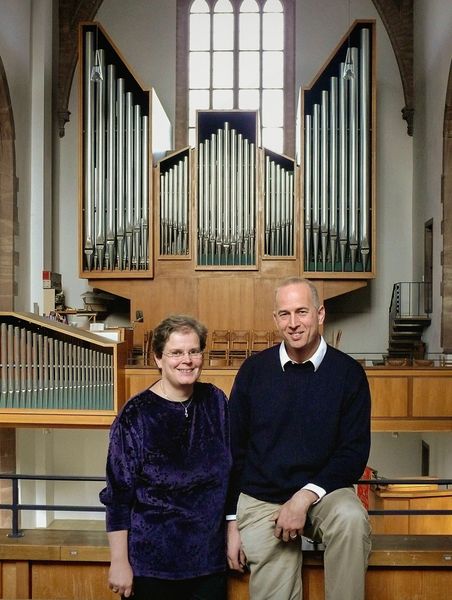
(185, 403)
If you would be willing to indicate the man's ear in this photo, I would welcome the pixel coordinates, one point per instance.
(321, 314)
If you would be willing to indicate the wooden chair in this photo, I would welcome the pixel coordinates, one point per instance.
(239, 348)
(219, 348)
(276, 337)
(260, 340)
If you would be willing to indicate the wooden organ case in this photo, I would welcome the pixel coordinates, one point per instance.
(226, 220)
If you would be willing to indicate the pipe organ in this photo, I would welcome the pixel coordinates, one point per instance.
(338, 160)
(227, 157)
(199, 230)
(117, 145)
(279, 205)
(61, 372)
(175, 198)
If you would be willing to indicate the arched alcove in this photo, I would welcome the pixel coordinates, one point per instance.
(7, 220)
(7, 195)
(446, 194)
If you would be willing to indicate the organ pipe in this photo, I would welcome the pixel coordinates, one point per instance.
(115, 167)
(39, 371)
(226, 199)
(364, 115)
(337, 210)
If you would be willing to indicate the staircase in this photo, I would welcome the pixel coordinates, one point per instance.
(407, 319)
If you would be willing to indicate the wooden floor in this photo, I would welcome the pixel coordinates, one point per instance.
(61, 564)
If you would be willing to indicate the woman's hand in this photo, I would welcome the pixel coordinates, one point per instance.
(120, 575)
(120, 578)
(236, 556)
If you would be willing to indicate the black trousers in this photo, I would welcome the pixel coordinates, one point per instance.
(208, 587)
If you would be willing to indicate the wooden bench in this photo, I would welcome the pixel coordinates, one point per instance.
(73, 565)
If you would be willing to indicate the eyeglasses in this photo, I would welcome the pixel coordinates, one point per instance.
(179, 355)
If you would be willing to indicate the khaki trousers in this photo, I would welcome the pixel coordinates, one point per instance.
(338, 520)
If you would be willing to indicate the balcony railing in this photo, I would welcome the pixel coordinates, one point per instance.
(16, 507)
(410, 299)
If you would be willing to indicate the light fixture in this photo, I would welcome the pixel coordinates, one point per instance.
(97, 71)
(349, 67)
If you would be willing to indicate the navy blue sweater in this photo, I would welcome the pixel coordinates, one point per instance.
(293, 427)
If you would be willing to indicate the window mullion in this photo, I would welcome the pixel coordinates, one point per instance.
(261, 64)
(211, 58)
(235, 82)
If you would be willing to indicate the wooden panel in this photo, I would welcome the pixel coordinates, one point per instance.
(70, 581)
(238, 587)
(431, 524)
(85, 554)
(226, 303)
(15, 579)
(389, 524)
(313, 583)
(221, 378)
(411, 524)
(138, 380)
(432, 396)
(381, 584)
(389, 396)
(408, 585)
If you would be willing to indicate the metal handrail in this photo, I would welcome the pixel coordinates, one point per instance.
(408, 299)
(16, 507)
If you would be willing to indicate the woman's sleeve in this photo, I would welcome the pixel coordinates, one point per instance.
(122, 467)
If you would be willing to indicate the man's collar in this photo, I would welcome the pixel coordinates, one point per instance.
(315, 359)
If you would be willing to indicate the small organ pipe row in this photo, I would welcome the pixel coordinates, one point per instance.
(38, 371)
(279, 209)
(116, 171)
(226, 199)
(174, 201)
(337, 216)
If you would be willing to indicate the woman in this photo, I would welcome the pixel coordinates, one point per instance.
(167, 472)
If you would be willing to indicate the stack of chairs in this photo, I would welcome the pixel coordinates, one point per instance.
(229, 348)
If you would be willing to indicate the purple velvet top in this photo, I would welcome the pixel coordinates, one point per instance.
(167, 477)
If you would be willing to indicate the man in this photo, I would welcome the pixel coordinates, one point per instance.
(300, 427)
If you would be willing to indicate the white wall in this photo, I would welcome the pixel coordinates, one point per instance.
(432, 60)
(60, 452)
(405, 446)
(15, 33)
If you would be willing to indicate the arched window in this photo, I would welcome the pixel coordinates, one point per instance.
(237, 54)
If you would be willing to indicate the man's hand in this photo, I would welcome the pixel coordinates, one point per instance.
(290, 519)
(236, 556)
